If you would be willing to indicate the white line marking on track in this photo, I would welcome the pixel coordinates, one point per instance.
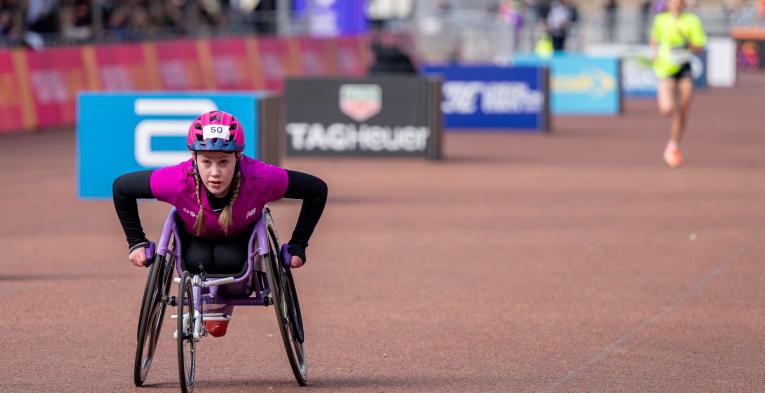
(679, 301)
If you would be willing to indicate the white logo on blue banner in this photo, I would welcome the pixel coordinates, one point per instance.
(476, 97)
(581, 85)
(119, 133)
(495, 97)
(147, 129)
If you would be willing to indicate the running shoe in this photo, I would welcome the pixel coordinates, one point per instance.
(672, 157)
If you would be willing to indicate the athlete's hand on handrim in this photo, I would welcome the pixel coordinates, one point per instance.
(138, 257)
(298, 255)
(296, 261)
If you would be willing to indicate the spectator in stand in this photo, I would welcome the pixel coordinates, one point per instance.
(212, 14)
(139, 25)
(388, 57)
(118, 24)
(10, 28)
(645, 21)
(76, 21)
(41, 19)
(611, 11)
(559, 20)
(512, 12)
(170, 17)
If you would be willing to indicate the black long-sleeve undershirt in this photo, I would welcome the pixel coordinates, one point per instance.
(127, 188)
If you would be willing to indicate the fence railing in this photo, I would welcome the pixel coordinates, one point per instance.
(475, 35)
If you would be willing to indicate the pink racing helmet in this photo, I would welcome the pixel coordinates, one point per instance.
(215, 131)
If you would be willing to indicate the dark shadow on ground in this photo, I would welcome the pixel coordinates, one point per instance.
(350, 383)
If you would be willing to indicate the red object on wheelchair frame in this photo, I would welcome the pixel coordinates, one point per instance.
(216, 328)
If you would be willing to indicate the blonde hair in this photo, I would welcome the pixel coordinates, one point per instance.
(199, 224)
(226, 217)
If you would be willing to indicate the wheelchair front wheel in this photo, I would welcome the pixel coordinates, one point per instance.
(285, 306)
(153, 308)
(185, 334)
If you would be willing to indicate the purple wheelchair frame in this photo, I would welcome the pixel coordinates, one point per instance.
(243, 285)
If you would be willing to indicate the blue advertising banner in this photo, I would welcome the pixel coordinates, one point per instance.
(124, 132)
(512, 98)
(331, 18)
(581, 85)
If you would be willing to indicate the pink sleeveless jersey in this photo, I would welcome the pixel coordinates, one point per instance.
(260, 183)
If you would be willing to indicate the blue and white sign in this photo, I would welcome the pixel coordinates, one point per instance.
(331, 18)
(638, 77)
(478, 97)
(124, 132)
(581, 85)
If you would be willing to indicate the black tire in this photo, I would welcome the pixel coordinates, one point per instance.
(185, 338)
(287, 312)
(296, 319)
(149, 281)
(152, 314)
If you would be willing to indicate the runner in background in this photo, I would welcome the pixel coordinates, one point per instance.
(675, 37)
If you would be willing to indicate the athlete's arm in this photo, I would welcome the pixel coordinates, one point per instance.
(126, 189)
(697, 38)
(313, 192)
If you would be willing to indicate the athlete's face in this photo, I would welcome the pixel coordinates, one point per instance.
(676, 6)
(216, 170)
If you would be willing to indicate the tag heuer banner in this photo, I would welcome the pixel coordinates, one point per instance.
(382, 116)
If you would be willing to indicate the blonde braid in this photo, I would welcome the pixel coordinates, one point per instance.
(226, 218)
(199, 225)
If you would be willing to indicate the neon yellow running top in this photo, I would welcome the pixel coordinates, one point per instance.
(674, 33)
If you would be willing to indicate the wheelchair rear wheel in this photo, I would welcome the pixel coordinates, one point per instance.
(286, 307)
(152, 314)
(185, 334)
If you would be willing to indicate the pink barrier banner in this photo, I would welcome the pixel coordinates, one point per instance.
(276, 61)
(351, 55)
(11, 96)
(122, 67)
(39, 88)
(15, 100)
(234, 63)
(55, 76)
(180, 66)
(315, 56)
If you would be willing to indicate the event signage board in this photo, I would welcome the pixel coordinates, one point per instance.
(638, 77)
(580, 84)
(124, 132)
(381, 116)
(507, 98)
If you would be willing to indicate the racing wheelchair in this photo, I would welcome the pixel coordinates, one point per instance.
(265, 281)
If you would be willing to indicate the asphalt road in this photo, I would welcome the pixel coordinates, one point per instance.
(570, 262)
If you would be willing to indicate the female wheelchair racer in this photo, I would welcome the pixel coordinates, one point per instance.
(219, 194)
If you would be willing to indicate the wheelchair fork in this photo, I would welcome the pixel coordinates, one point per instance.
(196, 287)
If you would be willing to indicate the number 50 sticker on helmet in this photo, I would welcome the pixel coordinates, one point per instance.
(215, 131)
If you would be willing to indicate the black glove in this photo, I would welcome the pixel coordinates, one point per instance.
(297, 250)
